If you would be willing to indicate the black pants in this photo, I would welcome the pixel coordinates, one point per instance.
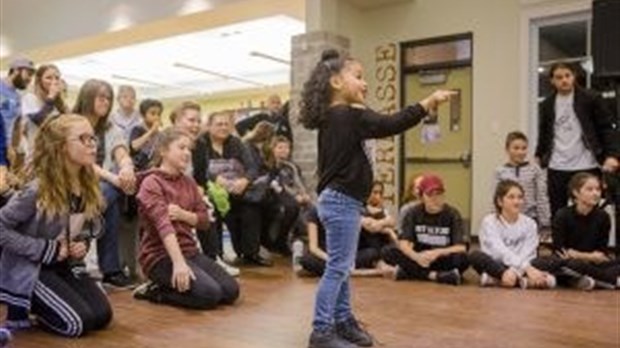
(68, 304)
(483, 263)
(365, 258)
(607, 272)
(412, 270)
(212, 286)
(282, 215)
(246, 223)
(557, 185)
(211, 239)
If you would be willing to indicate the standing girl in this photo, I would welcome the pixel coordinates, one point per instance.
(331, 103)
(170, 207)
(46, 230)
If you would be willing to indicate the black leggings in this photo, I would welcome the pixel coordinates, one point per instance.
(607, 272)
(212, 286)
(365, 258)
(68, 304)
(412, 270)
(483, 263)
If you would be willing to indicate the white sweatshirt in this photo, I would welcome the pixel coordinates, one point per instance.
(514, 244)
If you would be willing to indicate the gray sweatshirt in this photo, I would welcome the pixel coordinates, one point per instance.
(28, 240)
(514, 245)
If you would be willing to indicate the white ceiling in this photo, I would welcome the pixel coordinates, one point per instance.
(30, 24)
(150, 66)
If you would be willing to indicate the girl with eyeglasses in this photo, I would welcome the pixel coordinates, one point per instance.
(46, 231)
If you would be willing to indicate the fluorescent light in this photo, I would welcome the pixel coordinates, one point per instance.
(194, 6)
(269, 57)
(121, 18)
(5, 47)
(218, 74)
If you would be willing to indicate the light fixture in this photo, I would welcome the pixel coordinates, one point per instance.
(153, 83)
(121, 18)
(218, 74)
(194, 6)
(269, 57)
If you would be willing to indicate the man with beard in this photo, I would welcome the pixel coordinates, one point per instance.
(20, 74)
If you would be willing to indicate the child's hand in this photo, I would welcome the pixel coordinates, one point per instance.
(182, 276)
(599, 257)
(611, 164)
(432, 102)
(176, 213)
(78, 250)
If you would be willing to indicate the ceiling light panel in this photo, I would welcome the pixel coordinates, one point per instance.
(225, 50)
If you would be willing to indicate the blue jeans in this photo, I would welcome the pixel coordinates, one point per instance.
(341, 217)
(107, 244)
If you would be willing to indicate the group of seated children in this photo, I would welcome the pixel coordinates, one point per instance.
(432, 243)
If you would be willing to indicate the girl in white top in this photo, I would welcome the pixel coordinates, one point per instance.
(508, 243)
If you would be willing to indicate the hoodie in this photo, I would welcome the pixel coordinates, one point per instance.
(157, 191)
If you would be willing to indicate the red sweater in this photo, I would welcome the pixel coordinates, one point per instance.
(158, 190)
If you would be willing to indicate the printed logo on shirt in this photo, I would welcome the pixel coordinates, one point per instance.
(433, 235)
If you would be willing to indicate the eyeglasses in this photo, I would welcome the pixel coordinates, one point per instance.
(86, 139)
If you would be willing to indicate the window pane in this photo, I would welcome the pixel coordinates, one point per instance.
(561, 41)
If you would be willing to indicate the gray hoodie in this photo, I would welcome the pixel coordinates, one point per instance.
(28, 240)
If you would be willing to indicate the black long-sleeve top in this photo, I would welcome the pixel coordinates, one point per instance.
(343, 162)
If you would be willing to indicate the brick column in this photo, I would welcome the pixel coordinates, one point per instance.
(305, 53)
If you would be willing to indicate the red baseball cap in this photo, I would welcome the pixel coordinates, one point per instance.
(430, 183)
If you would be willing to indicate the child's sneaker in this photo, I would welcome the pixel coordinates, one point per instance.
(487, 280)
(452, 277)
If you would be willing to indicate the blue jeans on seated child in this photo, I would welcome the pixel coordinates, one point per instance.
(341, 217)
(107, 244)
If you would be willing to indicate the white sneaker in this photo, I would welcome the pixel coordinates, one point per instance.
(487, 280)
(232, 271)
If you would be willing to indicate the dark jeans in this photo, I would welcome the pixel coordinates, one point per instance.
(245, 221)
(557, 184)
(365, 258)
(607, 272)
(483, 263)
(282, 216)
(211, 240)
(412, 270)
(212, 286)
(69, 304)
(108, 244)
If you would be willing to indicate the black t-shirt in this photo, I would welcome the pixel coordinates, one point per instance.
(142, 158)
(312, 216)
(343, 163)
(585, 233)
(429, 231)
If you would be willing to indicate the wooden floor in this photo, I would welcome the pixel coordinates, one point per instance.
(275, 311)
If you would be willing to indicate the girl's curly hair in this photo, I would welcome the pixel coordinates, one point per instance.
(317, 93)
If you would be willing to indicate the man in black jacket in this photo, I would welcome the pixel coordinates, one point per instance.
(575, 134)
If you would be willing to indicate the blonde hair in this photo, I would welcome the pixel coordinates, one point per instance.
(50, 169)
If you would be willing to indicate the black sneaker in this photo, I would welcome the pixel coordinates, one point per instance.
(328, 339)
(452, 277)
(351, 331)
(118, 280)
(257, 260)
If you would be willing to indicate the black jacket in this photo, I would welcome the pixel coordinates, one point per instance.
(203, 152)
(599, 129)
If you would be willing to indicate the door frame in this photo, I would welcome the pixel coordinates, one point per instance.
(406, 71)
